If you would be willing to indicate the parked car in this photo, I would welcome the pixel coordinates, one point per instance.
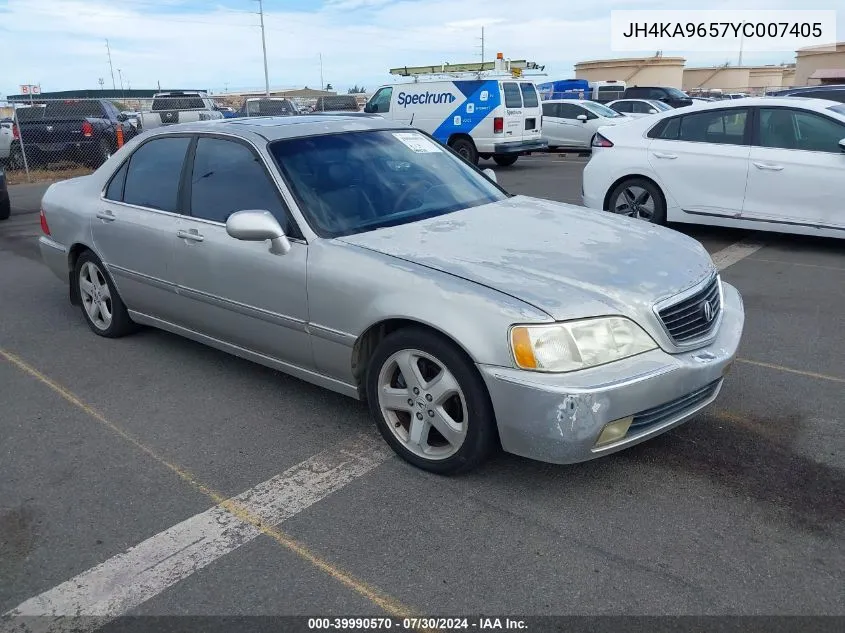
(7, 133)
(668, 95)
(383, 266)
(5, 201)
(573, 124)
(227, 111)
(131, 117)
(337, 103)
(83, 131)
(834, 92)
(169, 108)
(761, 163)
(638, 107)
(267, 106)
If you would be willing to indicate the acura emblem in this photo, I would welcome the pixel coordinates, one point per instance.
(707, 311)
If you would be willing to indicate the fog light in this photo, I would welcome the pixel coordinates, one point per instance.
(614, 431)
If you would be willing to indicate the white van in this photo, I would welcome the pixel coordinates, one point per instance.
(483, 118)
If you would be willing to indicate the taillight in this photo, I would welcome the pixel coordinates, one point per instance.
(498, 125)
(15, 134)
(87, 129)
(44, 228)
(600, 141)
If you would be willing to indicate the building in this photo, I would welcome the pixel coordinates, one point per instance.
(753, 79)
(643, 71)
(820, 64)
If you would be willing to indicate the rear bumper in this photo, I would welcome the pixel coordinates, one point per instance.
(517, 147)
(55, 256)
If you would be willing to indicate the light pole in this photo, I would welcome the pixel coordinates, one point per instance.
(120, 76)
(264, 49)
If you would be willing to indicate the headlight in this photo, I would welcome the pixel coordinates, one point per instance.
(561, 347)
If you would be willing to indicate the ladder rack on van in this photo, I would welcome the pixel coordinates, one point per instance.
(501, 67)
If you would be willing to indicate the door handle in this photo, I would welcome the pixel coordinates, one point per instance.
(108, 216)
(767, 166)
(192, 235)
(664, 155)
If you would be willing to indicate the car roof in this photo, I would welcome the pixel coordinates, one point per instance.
(811, 104)
(272, 128)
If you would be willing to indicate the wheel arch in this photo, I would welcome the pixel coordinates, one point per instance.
(618, 181)
(461, 135)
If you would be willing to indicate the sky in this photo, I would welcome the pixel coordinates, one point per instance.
(216, 44)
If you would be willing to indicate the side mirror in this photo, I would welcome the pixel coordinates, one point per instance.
(582, 118)
(652, 111)
(842, 145)
(257, 226)
(492, 174)
(368, 108)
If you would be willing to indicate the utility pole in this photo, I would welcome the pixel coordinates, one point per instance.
(740, 50)
(264, 49)
(482, 47)
(322, 85)
(111, 68)
(120, 76)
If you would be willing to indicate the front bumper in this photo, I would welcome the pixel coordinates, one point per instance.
(558, 418)
(517, 147)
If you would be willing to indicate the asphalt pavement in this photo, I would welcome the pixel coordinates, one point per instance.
(115, 453)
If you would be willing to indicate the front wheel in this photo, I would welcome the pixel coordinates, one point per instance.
(638, 198)
(429, 402)
(505, 160)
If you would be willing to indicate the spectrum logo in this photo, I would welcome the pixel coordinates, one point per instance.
(425, 98)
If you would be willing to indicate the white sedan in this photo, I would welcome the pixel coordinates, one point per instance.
(638, 107)
(761, 163)
(572, 123)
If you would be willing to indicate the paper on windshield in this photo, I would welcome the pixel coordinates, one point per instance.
(416, 142)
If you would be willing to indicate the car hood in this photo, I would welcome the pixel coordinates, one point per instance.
(568, 261)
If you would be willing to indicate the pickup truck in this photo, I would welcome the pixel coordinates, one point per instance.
(83, 131)
(178, 107)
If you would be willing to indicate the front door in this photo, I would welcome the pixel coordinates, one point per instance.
(237, 291)
(712, 142)
(797, 169)
(135, 225)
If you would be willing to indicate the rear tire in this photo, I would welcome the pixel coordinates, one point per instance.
(505, 160)
(638, 198)
(102, 153)
(103, 309)
(418, 383)
(5, 209)
(465, 148)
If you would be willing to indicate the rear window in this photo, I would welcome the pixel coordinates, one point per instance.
(636, 92)
(529, 95)
(26, 115)
(340, 102)
(270, 107)
(513, 97)
(178, 102)
(73, 110)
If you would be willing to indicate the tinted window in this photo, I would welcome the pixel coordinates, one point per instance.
(513, 98)
(726, 127)
(270, 107)
(228, 177)
(337, 103)
(623, 106)
(642, 107)
(667, 129)
(529, 95)
(57, 110)
(551, 109)
(793, 129)
(831, 95)
(359, 181)
(27, 114)
(186, 102)
(381, 100)
(115, 188)
(570, 111)
(154, 173)
(637, 92)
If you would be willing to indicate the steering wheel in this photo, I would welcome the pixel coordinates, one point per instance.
(405, 194)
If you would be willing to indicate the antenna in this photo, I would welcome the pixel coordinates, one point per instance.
(108, 50)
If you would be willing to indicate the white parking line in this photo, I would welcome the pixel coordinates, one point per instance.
(132, 577)
(736, 252)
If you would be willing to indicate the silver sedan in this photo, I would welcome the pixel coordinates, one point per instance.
(373, 261)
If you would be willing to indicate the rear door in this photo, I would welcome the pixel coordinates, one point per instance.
(532, 130)
(701, 159)
(514, 115)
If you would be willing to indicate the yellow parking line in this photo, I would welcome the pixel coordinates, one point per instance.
(382, 600)
(800, 372)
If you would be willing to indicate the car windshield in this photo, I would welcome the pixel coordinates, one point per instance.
(659, 105)
(353, 182)
(601, 110)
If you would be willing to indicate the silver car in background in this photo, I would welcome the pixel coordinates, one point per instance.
(373, 261)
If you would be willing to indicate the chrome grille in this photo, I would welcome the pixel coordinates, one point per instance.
(687, 320)
(675, 407)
